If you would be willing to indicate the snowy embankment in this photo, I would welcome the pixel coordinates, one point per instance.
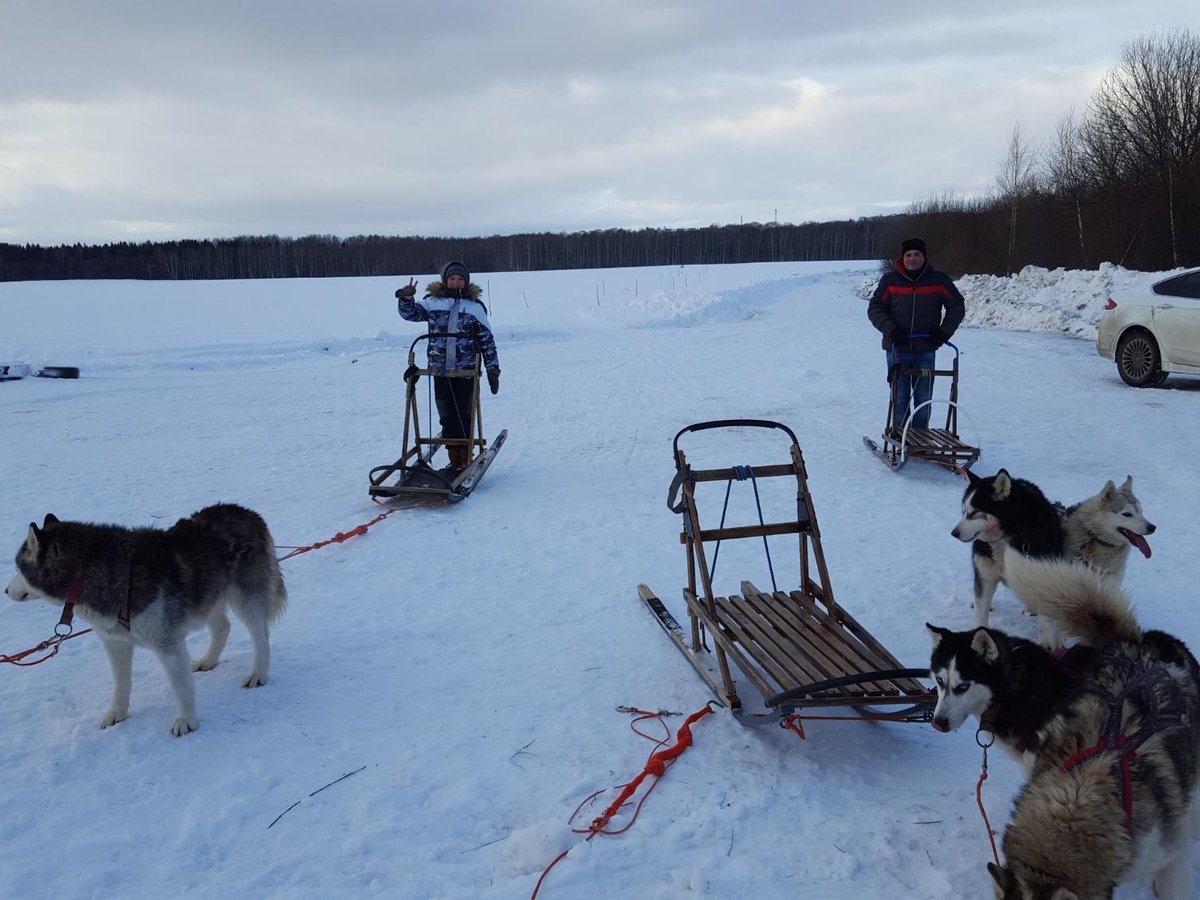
(1066, 301)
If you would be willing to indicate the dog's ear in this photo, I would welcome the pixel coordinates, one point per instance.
(936, 634)
(31, 539)
(51, 519)
(1108, 492)
(1127, 487)
(1004, 879)
(983, 644)
(1002, 484)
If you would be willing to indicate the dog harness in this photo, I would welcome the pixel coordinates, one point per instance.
(1124, 747)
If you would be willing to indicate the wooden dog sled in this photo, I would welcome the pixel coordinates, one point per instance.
(799, 648)
(942, 446)
(411, 480)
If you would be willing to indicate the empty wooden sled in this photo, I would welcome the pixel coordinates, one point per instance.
(798, 648)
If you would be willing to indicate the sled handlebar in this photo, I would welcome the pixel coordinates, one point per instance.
(924, 335)
(733, 423)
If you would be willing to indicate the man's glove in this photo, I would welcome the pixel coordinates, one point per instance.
(494, 381)
(410, 374)
(407, 292)
(899, 339)
(938, 338)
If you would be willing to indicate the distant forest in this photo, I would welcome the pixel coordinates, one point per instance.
(320, 256)
(1119, 183)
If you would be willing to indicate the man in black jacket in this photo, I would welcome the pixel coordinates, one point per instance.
(917, 308)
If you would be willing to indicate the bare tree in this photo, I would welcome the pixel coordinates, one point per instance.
(1016, 181)
(1066, 174)
(1145, 117)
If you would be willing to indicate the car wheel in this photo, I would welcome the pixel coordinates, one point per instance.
(1138, 360)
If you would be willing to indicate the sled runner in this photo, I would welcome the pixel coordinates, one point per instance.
(901, 442)
(798, 648)
(411, 480)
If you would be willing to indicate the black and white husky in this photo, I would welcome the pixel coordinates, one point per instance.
(1112, 795)
(150, 587)
(1011, 685)
(1001, 511)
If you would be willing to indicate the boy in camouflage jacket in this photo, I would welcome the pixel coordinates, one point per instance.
(452, 304)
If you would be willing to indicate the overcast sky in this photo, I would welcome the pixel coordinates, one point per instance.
(131, 120)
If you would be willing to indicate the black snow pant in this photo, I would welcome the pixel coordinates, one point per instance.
(453, 397)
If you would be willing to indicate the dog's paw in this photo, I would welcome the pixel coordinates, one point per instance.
(113, 716)
(183, 725)
(255, 680)
(203, 664)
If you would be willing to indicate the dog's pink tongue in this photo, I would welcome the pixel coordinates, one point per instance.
(1137, 540)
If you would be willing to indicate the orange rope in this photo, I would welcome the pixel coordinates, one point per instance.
(656, 765)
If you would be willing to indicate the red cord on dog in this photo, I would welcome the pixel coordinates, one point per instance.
(979, 795)
(656, 765)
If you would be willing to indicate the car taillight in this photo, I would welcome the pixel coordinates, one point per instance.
(1111, 304)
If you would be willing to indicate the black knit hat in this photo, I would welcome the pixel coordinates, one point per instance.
(914, 244)
(455, 268)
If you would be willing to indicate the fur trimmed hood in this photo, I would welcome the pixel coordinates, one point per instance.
(436, 289)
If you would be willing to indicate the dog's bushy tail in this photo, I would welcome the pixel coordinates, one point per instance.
(1073, 595)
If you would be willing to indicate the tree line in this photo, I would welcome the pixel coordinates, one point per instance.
(1118, 183)
(318, 256)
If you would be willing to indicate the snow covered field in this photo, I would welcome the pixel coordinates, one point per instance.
(465, 664)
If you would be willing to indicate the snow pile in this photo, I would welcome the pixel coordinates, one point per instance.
(1066, 301)
(1035, 299)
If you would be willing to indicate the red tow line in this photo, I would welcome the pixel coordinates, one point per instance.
(656, 765)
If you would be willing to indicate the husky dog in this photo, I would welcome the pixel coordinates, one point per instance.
(1012, 685)
(1100, 530)
(1112, 797)
(1001, 511)
(149, 587)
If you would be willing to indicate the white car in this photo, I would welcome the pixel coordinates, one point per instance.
(1153, 332)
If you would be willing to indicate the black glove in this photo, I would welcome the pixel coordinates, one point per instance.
(899, 339)
(407, 292)
(938, 338)
(410, 374)
(494, 381)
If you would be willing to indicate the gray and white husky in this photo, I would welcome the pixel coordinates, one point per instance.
(150, 587)
(1112, 796)
(1101, 529)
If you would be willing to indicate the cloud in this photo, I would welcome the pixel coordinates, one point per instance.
(142, 120)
